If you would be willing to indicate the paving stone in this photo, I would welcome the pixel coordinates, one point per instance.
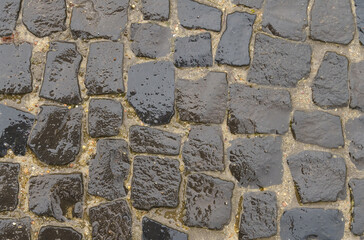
(155, 182)
(204, 149)
(153, 230)
(208, 201)
(285, 18)
(9, 185)
(203, 100)
(60, 129)
(111, 220)
(150, 40)
(264, 110)
(104, 74)
(233, 48)
(356, 85)
(249, 3)
(155, 141)
(279, 62)
(105, 117)
(330, 85)
(332, 21)
(44, 17)
(15, 228)
(61, 74)
(359, 6)
(155, 10)
(354, 133)
(318, 128)
(109, 169)
(195, 15)
(15, 127)
(357, 200)
(193, 51)
(9, 12)
(312, 223)
(151, 91)
(259, 217)
(58, 233)
(99, 19)
(256, 162)
(318, 176)
(54, 195)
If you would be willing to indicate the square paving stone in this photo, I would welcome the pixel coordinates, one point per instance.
(9, 185)
(104, 74)
(15, 228)
(256, 162)
(279, 62)
(359, 7)
(203, 100)
(318, 128)
(155, 10)
(249, 3)
(155, 182)
(9, 12)
(153, 230)
(258, 110)
(357, 204)
(354, 133)
(15, 75)
(356, 78)
(58, 233)
(208, 202)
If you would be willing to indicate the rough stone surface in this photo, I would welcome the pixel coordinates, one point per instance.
(356, 78)
(58, 233)
(9, 12)
(357, 200)
(318, 128)
(153, 230)
(354, 133)
(359, 6)
(279, 62)
(155, 10)
(15, 229)
(9, 185)
(249, 3)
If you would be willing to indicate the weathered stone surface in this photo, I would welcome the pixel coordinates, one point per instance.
(332, 21)
(312, 223)
(15, 127)
(155, 182)
(104, 74)
(356, 78)
(105, 117)
(318, 176)
(259, 217)
(99, 19)
(193, 51)
(318, 128)
(151, 91)
(155, 10)
(330, 86)
(279, 62)
(357, 200)
(109, 169)
(9, 12)
(354, 133)
(153, 230)
(359, 7)
(204, 149)
(203, 100)
(195, 15)
(61, 74)
(9, 185)
(258, 110)
(15, 229)
(56, 137)
(150, 40)
(54, 195)
(155, 141)
(249, 3)
(208, 201)
(58, 233)
(256, 162)
(111, 220)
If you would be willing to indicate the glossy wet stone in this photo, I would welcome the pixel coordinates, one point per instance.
(151, 91)
(204, 149)
(203, 100)
(15, 228)
(256, 162)
(154, 141)
(259, 217)
(279, 62)
(9, 12)
(153, 230)
(359, 7)
(104, 72)
(332, 21)
(155, 10)
(330, 85)
(354, 133)
(356, 79)
(308, 223)
(105, 117)
(109, 169)
(150, 40)
(357, 200)
(263, 110)
(44, 17)
(233, 48)
(58, 233)
(56, 137)
(61, 74)
(9, 185)
(318, 176)
(15, 127)
(55, 195)
(195, 15)
(318, 128)
(249, 3)
(193, 51)
(207, 201)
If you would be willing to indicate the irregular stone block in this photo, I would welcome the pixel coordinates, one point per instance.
(356, 79)
(15, 228)
(9, 185)
(9, 13)
(58, 233)
(354, 133)
(357, 204)
(359, 7)
(249, 3)
(155, 230)
(155, 10)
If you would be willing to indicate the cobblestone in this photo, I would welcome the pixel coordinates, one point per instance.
(9, 185)
(9, 13)
(155, 230)
(61, 233)
(18, 229)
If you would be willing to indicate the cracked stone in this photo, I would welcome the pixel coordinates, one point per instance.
(58, 233)
(359, 6)
(9, 13)
(357, 200)
(15, 228)
(354, 133)
(155, 10)
(153, 230)
(9, 185)
(356, 80)
(249, 3)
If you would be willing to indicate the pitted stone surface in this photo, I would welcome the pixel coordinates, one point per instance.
(9, 12)
(58, 233)
(356, 78)
(9, 185)
(155, 10)
(357, 204)
(15, 228)
(359, 6)
(153, 230)
(249, 3)
(354, 133)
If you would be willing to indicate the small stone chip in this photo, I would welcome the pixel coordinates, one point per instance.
(153, 230)
(357, 200)
(155, 10)
(354, 133)
(15, 228)
(9, 13)
(58, 233)
(356, 78)
(9, 185)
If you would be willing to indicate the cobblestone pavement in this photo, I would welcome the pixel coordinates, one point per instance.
(181, 119)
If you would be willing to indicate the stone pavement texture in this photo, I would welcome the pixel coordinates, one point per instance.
(181, 119)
